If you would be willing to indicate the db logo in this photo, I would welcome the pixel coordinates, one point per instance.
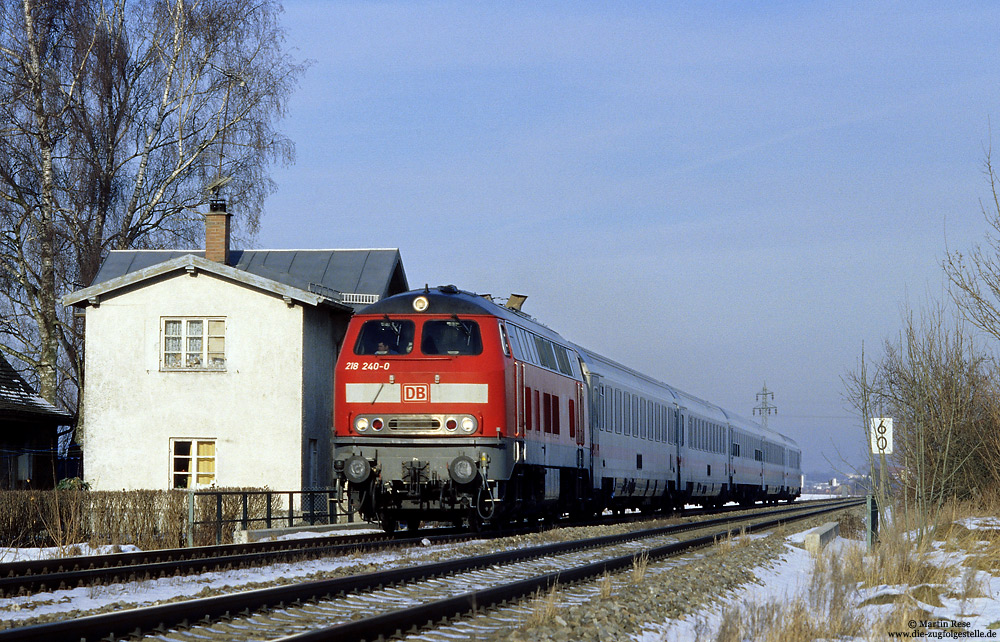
(413, 392)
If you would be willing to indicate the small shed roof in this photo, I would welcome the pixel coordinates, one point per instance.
(17, 399)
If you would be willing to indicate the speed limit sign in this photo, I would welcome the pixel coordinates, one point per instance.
(881, 435)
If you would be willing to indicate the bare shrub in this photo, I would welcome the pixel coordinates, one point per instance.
(148, 519)
(938, 386)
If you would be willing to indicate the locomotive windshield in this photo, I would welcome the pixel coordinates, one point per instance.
(453, 336)
(385, 337)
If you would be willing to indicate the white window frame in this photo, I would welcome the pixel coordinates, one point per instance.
(207, 360)
(194, 471)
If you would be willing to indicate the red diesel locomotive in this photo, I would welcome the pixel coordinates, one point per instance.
(450, 407)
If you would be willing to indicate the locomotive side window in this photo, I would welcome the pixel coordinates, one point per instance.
(385, 337)
(516, 336)
(545, 354)
(503, 338)
(452, 337)
(562, 358)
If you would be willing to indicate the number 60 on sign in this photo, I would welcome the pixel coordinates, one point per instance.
(881, 435)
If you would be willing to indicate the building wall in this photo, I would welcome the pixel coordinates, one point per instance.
(320, 344)
(254, 409)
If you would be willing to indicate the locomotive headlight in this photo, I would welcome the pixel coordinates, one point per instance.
(420, 303)
(377, 424)
(462, 470)
(361, 424)
(357, 469)
(451, 423)
(468, 425)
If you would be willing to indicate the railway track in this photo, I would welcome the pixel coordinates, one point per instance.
(400, 599)
(20, 578)
(33, 576)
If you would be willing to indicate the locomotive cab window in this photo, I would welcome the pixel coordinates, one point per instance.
(452, 337)
(385, 337)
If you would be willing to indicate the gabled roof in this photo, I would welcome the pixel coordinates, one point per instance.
(347, 279)
(18, 399)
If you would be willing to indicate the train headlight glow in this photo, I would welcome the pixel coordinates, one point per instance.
(468, 425)
(420, 303)
(462, 470)
(357, 469)
(361, 424)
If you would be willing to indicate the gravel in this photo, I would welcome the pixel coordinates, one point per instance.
(670, 589)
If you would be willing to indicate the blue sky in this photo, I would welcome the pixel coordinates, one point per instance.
(717, 194)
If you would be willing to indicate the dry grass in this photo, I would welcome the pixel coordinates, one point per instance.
(731, 542)
(545, 609)
(606, 586)
(639, 565)
(826, 610)
(829, 607)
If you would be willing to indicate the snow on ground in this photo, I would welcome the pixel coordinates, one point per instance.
(790, 578)
(26, 554)
(142, 593)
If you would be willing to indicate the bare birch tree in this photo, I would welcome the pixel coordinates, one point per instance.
(114, 116)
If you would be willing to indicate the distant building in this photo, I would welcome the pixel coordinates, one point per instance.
(29, 426)
(215, 368)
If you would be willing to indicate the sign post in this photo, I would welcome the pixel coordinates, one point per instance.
(880, 434)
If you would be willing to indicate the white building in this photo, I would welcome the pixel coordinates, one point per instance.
(218, 371)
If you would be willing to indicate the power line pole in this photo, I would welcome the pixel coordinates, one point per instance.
(765, 408)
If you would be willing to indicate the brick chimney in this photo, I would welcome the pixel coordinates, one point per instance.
(217, 232)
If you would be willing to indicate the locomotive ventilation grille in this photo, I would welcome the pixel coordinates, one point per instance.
(414, 423)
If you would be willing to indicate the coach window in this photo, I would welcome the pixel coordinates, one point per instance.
(603, 410)
(555, 414)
